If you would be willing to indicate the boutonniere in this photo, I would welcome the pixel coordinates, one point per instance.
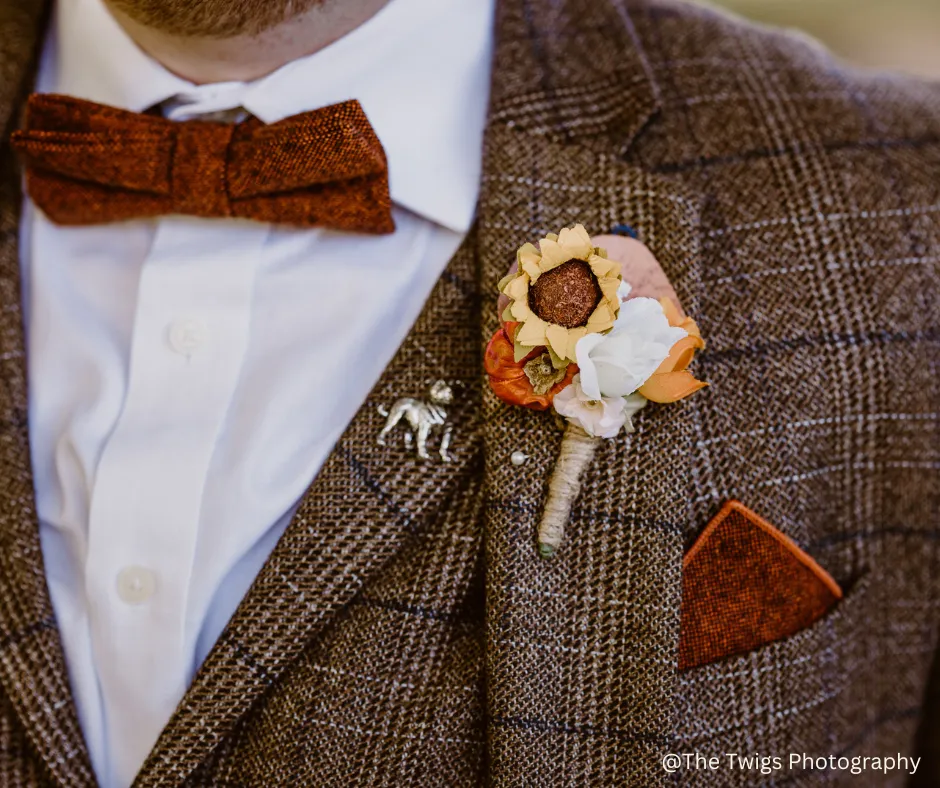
(578, 336)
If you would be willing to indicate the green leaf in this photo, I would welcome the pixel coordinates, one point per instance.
(557, 361)
(505, 281)
(520, 351)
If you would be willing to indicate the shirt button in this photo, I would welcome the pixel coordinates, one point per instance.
(135, 584)
(187, 335)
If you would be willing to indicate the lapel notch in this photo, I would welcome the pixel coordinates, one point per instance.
(571, 71)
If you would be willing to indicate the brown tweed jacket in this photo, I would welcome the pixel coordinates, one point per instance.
(404, 632)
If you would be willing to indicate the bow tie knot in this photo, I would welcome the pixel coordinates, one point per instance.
(87, 163)
(199, 183)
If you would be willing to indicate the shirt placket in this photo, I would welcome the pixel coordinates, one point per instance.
(187, 347)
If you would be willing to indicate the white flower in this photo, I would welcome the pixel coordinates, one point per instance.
(633, 405)
(623, 292)
(618, 363)
(602, 418)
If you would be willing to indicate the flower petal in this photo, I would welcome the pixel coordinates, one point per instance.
(501, 286)
(676, 319)
(531, 269)
(553, 255)
(518, 288)
(576, 242)
(604, 268)
(574, 336)
(645, 316)
(528, 253)
(603, 418)
(670, 386)
(521, 352)
(520, 310)
(557, 337)
(589, 382)
(532, 332)
(680, 354)
(689, 325)
(602, 318)
(611, 289)
(557, 361)
(633, 404)
(683, 357)
(670, 310)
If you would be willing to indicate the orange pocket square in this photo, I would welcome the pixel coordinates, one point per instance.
(746, 584)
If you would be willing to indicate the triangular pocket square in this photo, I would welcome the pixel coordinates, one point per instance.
(746, 584)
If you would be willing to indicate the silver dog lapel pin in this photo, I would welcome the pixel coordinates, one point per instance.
(421, 417)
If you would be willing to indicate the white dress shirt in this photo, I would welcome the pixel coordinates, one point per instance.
(188, 377)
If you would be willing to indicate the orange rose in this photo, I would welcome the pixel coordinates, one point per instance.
(672, 381)
(508, 377)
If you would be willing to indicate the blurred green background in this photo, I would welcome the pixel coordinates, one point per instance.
(902, 35)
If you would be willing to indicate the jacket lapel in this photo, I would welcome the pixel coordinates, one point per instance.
(366, 502)
(581, 647)
(32, 664)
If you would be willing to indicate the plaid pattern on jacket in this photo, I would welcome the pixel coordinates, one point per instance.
(404, 631)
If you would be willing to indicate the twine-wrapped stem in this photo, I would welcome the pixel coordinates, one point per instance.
(577, 450)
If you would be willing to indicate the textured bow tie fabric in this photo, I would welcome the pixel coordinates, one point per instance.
(88, 163)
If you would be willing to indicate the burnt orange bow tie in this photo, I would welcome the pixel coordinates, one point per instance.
(87, 163)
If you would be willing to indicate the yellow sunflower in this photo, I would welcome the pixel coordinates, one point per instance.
(563, 290)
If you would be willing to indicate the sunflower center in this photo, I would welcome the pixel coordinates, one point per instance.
(567, 295)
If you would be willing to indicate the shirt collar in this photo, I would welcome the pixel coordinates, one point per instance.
(424, 89)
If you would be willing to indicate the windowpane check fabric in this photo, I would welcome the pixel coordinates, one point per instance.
(88, 163)
(404, 631)
(188, 376)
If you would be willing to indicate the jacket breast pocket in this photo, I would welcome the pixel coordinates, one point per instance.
(803, 694)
